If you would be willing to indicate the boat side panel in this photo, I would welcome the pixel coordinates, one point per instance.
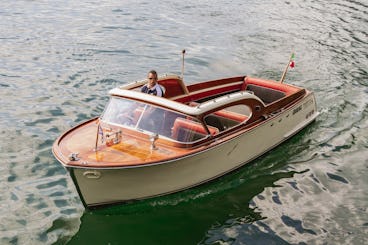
(102, 186)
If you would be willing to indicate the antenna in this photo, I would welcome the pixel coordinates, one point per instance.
(181, 81)
(182, 64)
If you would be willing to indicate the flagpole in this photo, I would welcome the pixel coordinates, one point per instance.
(98, 132)
(182, 65)
(185, 89)
(286, 68)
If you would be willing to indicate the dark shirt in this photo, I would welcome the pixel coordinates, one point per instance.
(156, 90)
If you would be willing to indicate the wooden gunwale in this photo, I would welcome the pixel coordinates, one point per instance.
(186, 150)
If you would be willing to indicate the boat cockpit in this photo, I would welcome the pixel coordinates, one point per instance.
(190, 114)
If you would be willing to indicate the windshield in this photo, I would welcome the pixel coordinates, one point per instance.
(153, 119)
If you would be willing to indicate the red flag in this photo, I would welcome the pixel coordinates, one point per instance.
(292, 63)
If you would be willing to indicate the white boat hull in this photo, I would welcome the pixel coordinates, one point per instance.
(101, 186)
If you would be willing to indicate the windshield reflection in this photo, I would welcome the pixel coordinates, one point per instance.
(144, 117)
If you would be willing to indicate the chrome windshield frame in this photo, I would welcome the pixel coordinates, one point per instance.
(152, 119)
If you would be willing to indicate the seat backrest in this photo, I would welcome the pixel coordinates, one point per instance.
(172, 87)
(187, 130)
(231, 115)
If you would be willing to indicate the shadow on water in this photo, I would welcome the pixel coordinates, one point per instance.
(191, 216)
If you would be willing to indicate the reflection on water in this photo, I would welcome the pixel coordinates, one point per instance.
(186, 217)
(59, 60)
(36, 195)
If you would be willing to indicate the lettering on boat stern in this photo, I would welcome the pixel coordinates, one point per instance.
(309, 114)
(296, 110)
(307, 103)
(234, 147)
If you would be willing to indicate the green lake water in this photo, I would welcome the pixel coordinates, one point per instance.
(59, 59)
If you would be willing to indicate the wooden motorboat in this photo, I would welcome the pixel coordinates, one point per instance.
(144, 146)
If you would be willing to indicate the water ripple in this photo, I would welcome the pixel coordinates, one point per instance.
(60, 60)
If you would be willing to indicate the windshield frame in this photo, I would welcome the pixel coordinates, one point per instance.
(152, 119)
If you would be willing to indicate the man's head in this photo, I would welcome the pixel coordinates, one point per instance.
(152, 78)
